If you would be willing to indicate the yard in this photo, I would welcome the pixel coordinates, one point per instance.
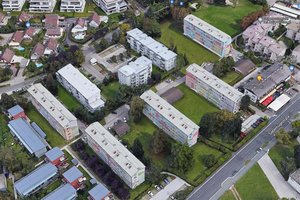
(193, 105)
(110, 90)
(227, 18)
(232, 77)
(67, 99)
(228, 195)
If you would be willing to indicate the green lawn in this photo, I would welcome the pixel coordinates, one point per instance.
(193, 105)
(194, 52)
(53, 137)
(255, 185)
(227, 18)
(67, 99)
(110, 90)
(135, 193)
(228, 195)
(232, 77)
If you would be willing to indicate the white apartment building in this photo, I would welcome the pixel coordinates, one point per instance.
(12, 5)
(111, 6)
(115, 155)
(87, 93)
(207, 35)
(45, 6)
(60, 118)
(72, 5)
(160, 55)
(136, 73)
(169, 119)
(212, 88)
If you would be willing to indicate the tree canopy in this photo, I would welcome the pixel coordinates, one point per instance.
(181, 157)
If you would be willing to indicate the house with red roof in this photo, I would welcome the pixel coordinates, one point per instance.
(94, 20)
(51, 21)
(79, 27)
(56, 156)
(37, 52)
(54, 32)
(75, 177)
(17, 38)
(7, 56)
(24, 17)
(29, 33)
(16, 112)
(51, 46)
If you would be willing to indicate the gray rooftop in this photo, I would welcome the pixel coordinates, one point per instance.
(136, 66)
(296, 176)
(72, 174)
(15, 110)
(99, 192)
(54, 153)
(64, 192)
(38, 130)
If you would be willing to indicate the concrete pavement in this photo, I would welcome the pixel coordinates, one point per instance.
(170, 189)
(168, 86)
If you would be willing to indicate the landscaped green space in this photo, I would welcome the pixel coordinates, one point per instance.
(67, 99)
(193, 105)
(232, 77)
(228, 195)
(255, 185)
(53, 137)
(140, 190)
(194, 52)
(110, 90)
(227, 18)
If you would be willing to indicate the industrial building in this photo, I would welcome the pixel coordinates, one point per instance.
(111, 6)
(64, 192)
(169, 119)
(212, 88)
(61, 119)
(115, 155)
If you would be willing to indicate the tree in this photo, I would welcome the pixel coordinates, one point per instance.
(245, 102)
(151, 27)
(51, 84)
(153, 174)
(283, 137)
(7, 101)
(79, 57)
(181, 157)
(136, 108)
(159, 142)
(209, 160)
(115, 37)
(297, 155)
(137, 149)
(207, 125)
(288, 166)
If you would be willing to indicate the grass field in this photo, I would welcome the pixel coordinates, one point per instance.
(232, 77)
(227, 18)
(110, 90)
(255, 185)
(228, 195)
(67, 99)
(53, 137)
(193, 105)
(194, 52)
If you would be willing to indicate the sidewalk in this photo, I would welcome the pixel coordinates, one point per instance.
(282, 187)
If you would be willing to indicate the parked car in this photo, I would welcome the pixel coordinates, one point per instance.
(157, 187)
(166, 181)
(172, 197)
(150, 194)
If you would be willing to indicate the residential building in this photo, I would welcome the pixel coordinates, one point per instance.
(16, 112)
(29, 138)
(80, 27)
(62, 120)
(99, 192)
(51, 46)
(212, 88)
(207, 35)
(56, 156)
(51, 21)
(296, 54)
(16, 38)
(7, 57)
(72, 5)
(135, 73)
(87, 93)
(115, 155)
(293, 31)
(155, 51)
(40, 132)
(3, 183)
(12, 5)
(54, 32)
(94, 20)
(169, 119)
(64, 192)
(74, 177)
(37, 52)
(244, 66)
(2, 16)
(43, 6)
(111, 6)
(36, 179)
(294, 180)
(29, 33)
(24, 17)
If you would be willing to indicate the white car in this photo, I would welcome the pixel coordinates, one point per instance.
(157, 187)
(150, 194)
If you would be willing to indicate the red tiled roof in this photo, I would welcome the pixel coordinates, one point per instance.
(95, 17)
(80, 22)
(51, 44)
(18, 36)
(1, 16)
(39, 49)
(51, 21)
(7, 55)
(30, 31)
(24, 17)
(53, 32)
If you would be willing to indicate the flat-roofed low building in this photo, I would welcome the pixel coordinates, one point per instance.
(115, 155)
(74, 176)
(212, 88)
(294, 180)
(36, 179)
(86, 92)
(12, 5)
(72, 5)
(169, 119)
(61, 119)
(56, 156)
(64, 192)
(99, 192)
(16, 112)
(25, 133)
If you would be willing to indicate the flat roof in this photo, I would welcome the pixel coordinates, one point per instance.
(15, 110)
(65, 192)
(214, 82)
(178, 119)
(208, 28)
(296, 176)
(62, 115)
(279, 102)
(72, 174)
(82, 84)
(99, 192)
(35, 178)
(27, 135)
(54, 153)
(287, 9)
(114, 148)
(38, 130)
(136, 66)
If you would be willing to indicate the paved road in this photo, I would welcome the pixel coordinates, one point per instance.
(174, 83)
(213, 184)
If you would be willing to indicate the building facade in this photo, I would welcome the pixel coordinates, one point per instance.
(72, 5)
(111, 6)
(207, 35)
(115, 155)
(46, 6)
(169, 119)
(87, 93)
(160, 55)
(136, 73)
(61, 119)
(212, 88)
(12, 5)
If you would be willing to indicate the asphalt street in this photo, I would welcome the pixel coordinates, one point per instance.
(213, 184)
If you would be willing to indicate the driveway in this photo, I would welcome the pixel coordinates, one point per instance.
(120, 113)
(165, 87)
(282, 187)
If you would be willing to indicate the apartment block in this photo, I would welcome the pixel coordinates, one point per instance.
(45, 6)
(160, 55)
(61, 119)
(12, 5)
(136, 73)
(207, 35)
(87, 93)
(169, 119)
(212, 88)
(111, 6)
(115, 155)
(72, 5)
